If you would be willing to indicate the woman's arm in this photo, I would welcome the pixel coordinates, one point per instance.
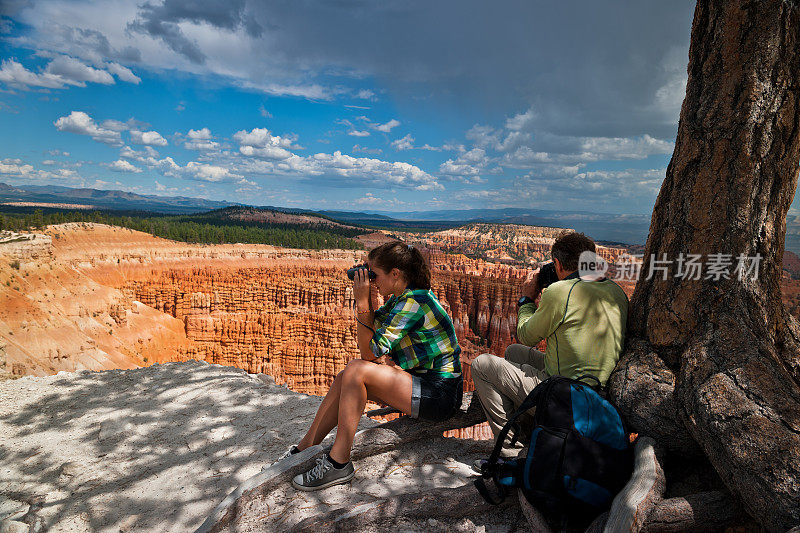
(364, 334)
(365, 315)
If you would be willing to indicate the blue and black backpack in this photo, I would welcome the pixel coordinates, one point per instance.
(579, 455)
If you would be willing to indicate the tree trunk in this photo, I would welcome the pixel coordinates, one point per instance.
(712, 366)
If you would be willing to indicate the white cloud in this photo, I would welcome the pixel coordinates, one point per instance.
(366, 150)
(15, 167)
(200, 140)
(15, 75)
(78, 73)
(357, 133)
(386, 128)
(522, 121)
(385, 172)
(404, 143)
(124, 166)
(368, 199)
(114, 125)
(210, 173)
(345, 170)
(203, 134)
(266, 152)
(123, 73)
(468, 166)
(117, 125)
(312, 91)
(264, 113)
(365, 94)
(427, 146)
(82, 124)
(19, 169)
(261, 137)
(62, 70)
(149, 138)
(146, 154)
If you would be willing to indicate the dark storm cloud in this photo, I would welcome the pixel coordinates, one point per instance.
(588, 68)
(161, 21)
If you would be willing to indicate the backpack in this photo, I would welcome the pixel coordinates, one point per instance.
(579, 455)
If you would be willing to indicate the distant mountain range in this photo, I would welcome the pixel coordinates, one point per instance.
(630, 229)
(107, 199)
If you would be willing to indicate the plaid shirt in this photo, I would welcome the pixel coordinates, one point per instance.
(417, 333)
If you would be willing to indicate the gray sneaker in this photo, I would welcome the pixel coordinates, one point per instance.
(323, 475)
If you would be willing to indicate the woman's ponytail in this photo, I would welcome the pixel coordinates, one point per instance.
(405, 257)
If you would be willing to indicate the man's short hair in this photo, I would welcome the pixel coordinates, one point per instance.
(568, 247)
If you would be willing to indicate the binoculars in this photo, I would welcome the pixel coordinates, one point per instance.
(351, 273)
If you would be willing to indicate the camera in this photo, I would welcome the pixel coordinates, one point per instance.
(547, 275)
(351, 273)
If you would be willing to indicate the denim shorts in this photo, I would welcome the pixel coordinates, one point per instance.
(434, 397)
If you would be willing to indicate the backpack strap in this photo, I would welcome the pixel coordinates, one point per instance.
(483, 490)
(599, 385)
(530, 401)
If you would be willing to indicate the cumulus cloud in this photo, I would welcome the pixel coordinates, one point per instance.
(13, 74)
(387, 127)
(75, 72)
(211, 173)
(123, 73)
(468, 166)
(82, 124)
(121, 165)
(358, 133)
(404, 143)
(200, 140)
(384, 172)
(149, 138)
(259, 142)
(265, 152)
(261, 137)
(146, 154)
(17, 168)
(60, 72)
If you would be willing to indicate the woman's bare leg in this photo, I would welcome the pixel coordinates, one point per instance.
(362, 380)
(326, 417)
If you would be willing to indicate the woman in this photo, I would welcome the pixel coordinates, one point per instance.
(415, 332)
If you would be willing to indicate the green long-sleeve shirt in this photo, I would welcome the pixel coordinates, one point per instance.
(584, 324)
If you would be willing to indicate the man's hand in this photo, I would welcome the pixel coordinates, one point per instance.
(531, 287)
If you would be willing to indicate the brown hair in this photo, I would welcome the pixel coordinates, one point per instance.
(408, 259)
(568, 247)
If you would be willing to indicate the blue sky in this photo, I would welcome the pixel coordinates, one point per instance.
(356, 105)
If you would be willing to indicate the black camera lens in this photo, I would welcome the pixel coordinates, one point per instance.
(351, 273)
(547, 275)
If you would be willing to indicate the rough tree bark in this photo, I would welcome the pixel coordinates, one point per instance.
(713, 366)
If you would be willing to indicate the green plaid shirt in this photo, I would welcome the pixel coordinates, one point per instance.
(417, 333)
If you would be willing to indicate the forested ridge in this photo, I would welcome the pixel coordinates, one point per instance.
(197, 228)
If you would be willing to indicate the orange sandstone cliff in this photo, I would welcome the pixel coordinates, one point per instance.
(89, 296)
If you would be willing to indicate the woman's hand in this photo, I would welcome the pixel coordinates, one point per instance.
(375, 299)
(361, 290)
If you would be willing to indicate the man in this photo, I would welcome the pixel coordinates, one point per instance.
(583, 322)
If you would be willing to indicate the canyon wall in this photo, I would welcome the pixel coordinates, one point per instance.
(89, 296)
